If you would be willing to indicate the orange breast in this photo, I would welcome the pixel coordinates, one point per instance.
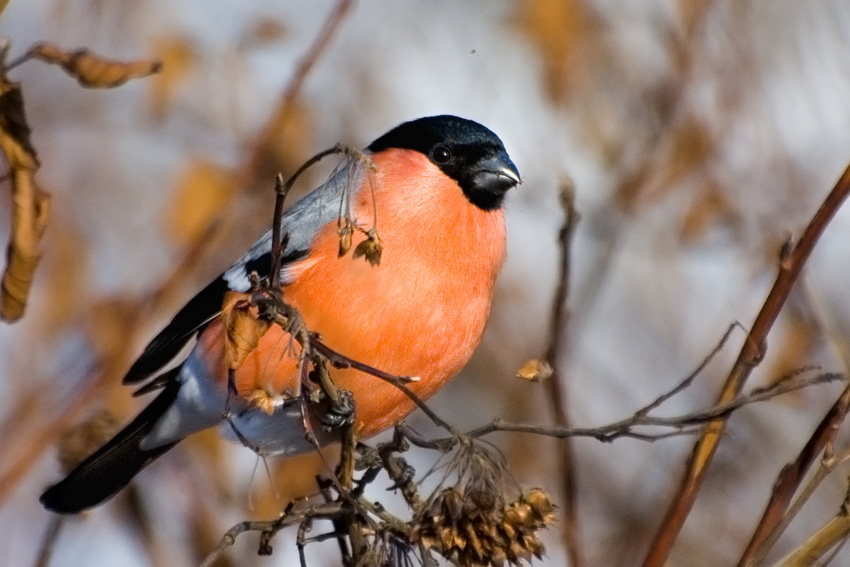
(421, 312)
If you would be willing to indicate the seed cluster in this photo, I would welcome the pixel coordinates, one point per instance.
(475, 529)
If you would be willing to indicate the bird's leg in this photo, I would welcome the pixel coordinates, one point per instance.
(232, 393)
(304, 400)
(340, 410)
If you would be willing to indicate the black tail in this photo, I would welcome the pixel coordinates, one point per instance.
(114, 465)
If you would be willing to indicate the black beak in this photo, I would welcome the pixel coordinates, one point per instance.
(496, 175)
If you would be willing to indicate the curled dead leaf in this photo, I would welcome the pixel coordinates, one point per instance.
(30, 205)
(77, 443)
(243, 328)
(91, 70)
(202, 190)
(179, 58)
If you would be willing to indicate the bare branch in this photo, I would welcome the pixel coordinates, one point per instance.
(557, 390)
(791, 262)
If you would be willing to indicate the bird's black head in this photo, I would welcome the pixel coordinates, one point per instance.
(464, 150)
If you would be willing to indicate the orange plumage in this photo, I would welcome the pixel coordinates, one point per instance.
(435, 196)
(421, 312)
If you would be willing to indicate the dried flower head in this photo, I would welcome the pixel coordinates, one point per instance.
(467, 527)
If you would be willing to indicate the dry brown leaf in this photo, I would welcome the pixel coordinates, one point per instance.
(691, 146)
(90, 70)
(558, 29)
(284, 147)
(535, 370)
(370, 249)
(77, 443)
(65, 276)
(203, 189)
(710, 209)
(30, 205)
(109, 334)
(178, 59)
(243, 328)
(263, 31)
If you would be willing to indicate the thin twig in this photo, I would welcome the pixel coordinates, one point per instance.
(752, 353)
(833, 532)
(775, 519)
(681, 425)
(48, 542)
(558, 333)
(280, 191)
(305, 65)
(686, 383)
(326, 511)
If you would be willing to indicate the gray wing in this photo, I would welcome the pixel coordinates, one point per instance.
(319, 207)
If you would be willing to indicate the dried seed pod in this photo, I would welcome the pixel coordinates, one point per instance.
(519, 514)
(453, 503)
(371, 248)
(541, 505)
(446, 537)
(345, 233)
(498, 557)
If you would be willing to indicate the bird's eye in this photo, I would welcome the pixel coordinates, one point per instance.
(441, 155)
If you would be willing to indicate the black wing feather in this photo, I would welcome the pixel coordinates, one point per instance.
(114, 465)
(302, 222)
(165, 346)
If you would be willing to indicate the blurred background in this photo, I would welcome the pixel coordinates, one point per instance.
(699, 137)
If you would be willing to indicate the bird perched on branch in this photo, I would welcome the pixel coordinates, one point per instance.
(426, 212)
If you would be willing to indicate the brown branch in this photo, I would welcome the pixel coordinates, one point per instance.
(48, 542)
(302, 70)
(327, 511)
(771, 525)
(791, 263)
(570, 533)
(680, 425)
(834, 532)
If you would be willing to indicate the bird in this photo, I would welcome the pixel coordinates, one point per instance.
(432, 191)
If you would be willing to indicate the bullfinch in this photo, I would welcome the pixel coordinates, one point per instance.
(434, 189)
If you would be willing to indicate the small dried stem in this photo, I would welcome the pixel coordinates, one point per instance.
(777, 514)
(791, 263)
(557, 390)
